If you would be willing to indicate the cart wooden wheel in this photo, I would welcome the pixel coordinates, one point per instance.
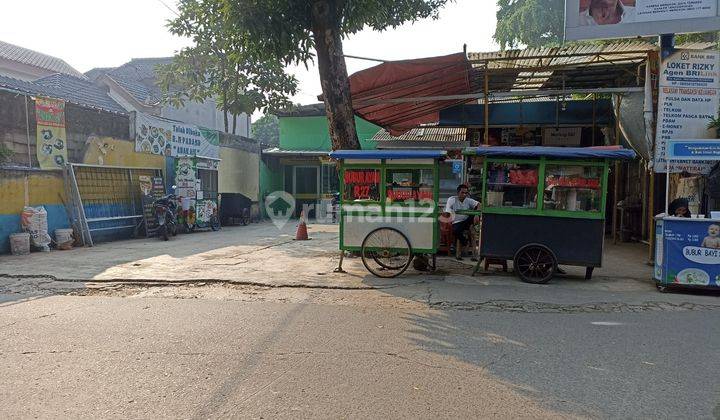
(386, 252)
(535, 263)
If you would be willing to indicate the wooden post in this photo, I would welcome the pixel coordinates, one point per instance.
(616, 170)
(593, 119)
(487, 107)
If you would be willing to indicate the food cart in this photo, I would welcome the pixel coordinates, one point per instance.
(687, 250)
(544, 206)
(389, 206)
(196, 180)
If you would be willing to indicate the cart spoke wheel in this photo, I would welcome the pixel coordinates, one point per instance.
(535, 263)
(386, 252)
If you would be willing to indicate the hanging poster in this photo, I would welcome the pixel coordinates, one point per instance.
(151, 189)
(51, 141)
(689, 83)
(601, 19)
(159, 136)
(561, 136)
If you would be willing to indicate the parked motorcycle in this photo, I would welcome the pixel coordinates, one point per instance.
(166, 213)
(191, 222)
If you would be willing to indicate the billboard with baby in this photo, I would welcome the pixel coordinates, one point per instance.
(599, 19)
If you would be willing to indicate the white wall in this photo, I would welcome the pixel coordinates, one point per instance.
(21, 71)
(207, 115)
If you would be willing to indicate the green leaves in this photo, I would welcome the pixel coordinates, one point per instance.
(220, 65)
(531, 23)
(266, 130)
(299, 31)
(282, 29)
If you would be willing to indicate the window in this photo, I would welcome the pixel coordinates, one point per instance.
(512, 185)
(410, 185)
(306, 180)
(362, 185)
(573, 188)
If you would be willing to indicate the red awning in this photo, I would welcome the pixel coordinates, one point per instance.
(434, 76)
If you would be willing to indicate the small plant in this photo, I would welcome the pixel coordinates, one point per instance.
(715, 124)
(5, 154)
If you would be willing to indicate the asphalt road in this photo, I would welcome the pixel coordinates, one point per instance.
(348, 356)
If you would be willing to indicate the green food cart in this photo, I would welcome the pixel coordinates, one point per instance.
(389, 206)
(544, 206)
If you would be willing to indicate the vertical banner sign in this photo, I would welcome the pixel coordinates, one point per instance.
(689, 84)
(51, 141)
(151, 189)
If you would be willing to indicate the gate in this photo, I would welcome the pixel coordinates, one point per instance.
(107, 200)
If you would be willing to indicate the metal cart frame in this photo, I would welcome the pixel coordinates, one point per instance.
(537, 239)
(387, 221)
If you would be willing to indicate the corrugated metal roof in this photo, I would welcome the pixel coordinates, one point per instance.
(311, 110)
(33, 58)
(275, 151)
(569, 55)
(572, 66)
(62, 86)
(427, 133)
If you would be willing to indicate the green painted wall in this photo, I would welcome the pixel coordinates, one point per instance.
(270, 181)
(311, 133)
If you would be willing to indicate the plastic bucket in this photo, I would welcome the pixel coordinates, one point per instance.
(64, 238)
(20, 243)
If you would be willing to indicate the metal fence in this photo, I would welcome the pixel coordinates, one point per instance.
(107, 199)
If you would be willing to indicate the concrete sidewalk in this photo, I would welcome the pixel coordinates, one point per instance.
(261, 255)
(264, 254)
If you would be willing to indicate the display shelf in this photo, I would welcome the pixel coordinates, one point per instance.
(508, 184)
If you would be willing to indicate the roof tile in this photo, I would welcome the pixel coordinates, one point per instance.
(33, 58)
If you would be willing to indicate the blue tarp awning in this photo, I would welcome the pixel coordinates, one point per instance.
(388, 154)
(578, 113)
(552, 152)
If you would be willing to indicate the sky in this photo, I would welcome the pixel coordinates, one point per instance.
(108, 33)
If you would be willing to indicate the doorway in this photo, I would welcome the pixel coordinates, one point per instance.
(306, 188)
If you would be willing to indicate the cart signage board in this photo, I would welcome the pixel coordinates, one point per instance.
(690, 255)
(689, 85)
(601, 19)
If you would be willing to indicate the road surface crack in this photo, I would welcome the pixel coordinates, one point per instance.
(522, 306)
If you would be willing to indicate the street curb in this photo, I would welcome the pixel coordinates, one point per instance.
(159, 283)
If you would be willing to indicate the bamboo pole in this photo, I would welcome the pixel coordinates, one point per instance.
(617, 170)
(487, 107)
(651, 217)
(594, 118)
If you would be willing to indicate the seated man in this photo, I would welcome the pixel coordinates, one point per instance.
(461, 222)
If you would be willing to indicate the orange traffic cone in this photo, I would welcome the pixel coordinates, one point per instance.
(302, 231)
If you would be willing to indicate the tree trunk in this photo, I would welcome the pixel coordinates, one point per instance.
(333, 75)
(225, 119)
(234, 124)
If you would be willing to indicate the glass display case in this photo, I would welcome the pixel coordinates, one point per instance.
(566, 188)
